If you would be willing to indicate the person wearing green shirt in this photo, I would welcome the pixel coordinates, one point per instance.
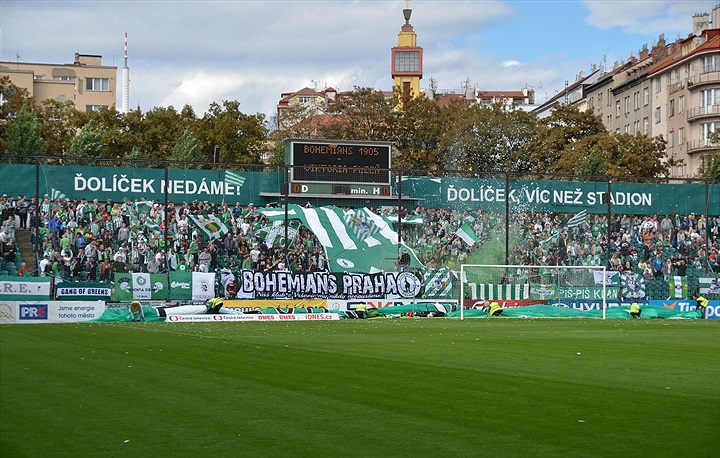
(194, 250)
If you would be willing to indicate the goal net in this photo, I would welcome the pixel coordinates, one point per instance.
(553, 284)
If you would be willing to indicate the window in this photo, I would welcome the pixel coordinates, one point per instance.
(636, 127)
(599, 99)
(636, 100)
(710, 97)
(657, 115)
(627, 128)
(646, 96)
(64, 78)
(592, 103)
(91, 108)
(671, 139)
(706, 131)
(97, 84)
(671, 108)
(407, 61)
(617, 108)
(681, 136)
(609, 99)
(627, 104)
(711, 63)
(646, 125)
(681, 104)
(657, 81)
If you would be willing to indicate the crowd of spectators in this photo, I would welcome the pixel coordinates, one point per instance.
(78, 239)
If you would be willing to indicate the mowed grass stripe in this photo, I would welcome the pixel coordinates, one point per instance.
(424, 387)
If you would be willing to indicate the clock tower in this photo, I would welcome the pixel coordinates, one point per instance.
(406, 61)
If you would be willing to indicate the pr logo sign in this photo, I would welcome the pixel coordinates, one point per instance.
(33, 312)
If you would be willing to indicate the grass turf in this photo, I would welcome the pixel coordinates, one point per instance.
(408, 387)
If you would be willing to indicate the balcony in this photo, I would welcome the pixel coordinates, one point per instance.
(703, 112)
(674, 87)
(703, 79)
(701, 146)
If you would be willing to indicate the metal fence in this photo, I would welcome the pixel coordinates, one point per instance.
(445, 218)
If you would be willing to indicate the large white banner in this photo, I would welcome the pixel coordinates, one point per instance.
(14, 288)
(142, 287)
(23, 312)
(203, 286)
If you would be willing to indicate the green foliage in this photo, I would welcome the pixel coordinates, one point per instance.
(24, 136)
(60, 123)
(88, 144)
(241, 137)
(187, 148)
(366, 114)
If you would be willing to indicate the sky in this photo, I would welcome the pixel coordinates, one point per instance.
(203, 51)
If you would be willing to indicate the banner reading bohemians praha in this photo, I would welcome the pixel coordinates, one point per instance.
(487, 194)
(326, 285)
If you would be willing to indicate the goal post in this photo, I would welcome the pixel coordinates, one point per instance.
(528, 282)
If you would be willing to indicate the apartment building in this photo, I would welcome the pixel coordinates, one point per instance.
(86, 82)
(672, 90)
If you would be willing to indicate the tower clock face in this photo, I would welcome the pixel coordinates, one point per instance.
(407, 61)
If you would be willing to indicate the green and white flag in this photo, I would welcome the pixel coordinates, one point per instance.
(578, 219)
(438, 283)
(152, 225)
(709, 285)
(362, 225)
(14, 288)
(495, 291)
(234, 179)
(678, 287)
(210, 226)
(466, 233)
(612, 277)
(138, 285)
(56, 193)
(143, 206)
(274, 234)
(542, 292)
(344, 250)
(633, 285)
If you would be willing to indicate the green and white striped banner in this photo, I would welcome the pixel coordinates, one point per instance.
(492, 291)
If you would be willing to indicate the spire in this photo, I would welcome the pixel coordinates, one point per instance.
(407, 12)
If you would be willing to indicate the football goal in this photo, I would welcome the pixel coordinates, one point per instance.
(504, 283)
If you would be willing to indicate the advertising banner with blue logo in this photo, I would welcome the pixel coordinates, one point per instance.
(23, 312)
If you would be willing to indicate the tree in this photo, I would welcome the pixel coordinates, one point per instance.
(24, 136)
(187, 148)
(60, 123)
(363, 114)
(241, 137)
(88, 144)
(12, 99)
(557, 135)
(417, 136)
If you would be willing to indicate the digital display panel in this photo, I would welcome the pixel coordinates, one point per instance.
(340, 162)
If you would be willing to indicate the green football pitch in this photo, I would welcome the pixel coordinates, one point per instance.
(389, 387)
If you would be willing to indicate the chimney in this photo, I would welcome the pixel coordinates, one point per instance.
(644, 52)
(701, 22)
